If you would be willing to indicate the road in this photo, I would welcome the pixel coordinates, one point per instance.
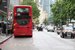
(42, 40)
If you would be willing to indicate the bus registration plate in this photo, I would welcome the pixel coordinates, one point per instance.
(22, 34)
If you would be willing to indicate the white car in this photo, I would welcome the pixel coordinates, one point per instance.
(50, 28)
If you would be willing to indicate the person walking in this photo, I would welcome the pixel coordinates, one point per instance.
(2, 24)
(10, 28)
(4, 28)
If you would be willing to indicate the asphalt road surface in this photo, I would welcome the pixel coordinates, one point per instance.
(41, 40)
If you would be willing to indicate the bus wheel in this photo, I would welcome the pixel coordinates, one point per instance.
(63, 36)
(15, 36)
(72, 36)
(30, 36)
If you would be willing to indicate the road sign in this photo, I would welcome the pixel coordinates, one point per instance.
(50, 20)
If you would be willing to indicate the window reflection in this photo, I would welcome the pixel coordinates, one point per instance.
(22, 9)
(22, 22)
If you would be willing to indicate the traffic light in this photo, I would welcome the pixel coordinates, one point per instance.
(0, 1)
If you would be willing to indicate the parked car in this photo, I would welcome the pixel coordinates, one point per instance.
(67, 31)
(50, 28)
(39, 28)
(46, 27)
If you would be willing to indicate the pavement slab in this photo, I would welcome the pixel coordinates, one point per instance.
(4, 38)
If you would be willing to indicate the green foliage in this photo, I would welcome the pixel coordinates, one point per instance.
(46, 21)
(11, 7)
(35, 9)
(37, 22)
(62, 9)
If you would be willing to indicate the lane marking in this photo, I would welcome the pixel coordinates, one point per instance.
(32, 41)
(18, 44)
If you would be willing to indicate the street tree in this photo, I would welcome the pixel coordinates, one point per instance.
(62, 9)
(37, 22)
(46, 21)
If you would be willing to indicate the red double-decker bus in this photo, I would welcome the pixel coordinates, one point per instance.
(22, 20)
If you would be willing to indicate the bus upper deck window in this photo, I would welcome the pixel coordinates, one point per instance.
(22, 9)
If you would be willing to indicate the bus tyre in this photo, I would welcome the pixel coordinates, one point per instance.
(31, 36)
(47, 30)
(62, 35)
(15, 36)
(52, 31)
(58, 33)
(72, 36)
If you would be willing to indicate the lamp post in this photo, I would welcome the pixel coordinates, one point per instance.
(7, 17)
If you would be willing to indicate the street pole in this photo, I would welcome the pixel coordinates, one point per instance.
(67, 20)
(7, 19)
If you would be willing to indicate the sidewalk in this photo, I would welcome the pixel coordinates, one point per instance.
(4, 38)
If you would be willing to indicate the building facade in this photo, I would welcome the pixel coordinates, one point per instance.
(46, 5)
(14, 2)
(4, 8)
(43, 13)
(20, 1)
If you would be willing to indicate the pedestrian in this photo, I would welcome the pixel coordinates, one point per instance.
(2, 24)
(10, 28)
(4, 28)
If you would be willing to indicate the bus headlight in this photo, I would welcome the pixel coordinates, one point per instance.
(18, 14)
(14, 30)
